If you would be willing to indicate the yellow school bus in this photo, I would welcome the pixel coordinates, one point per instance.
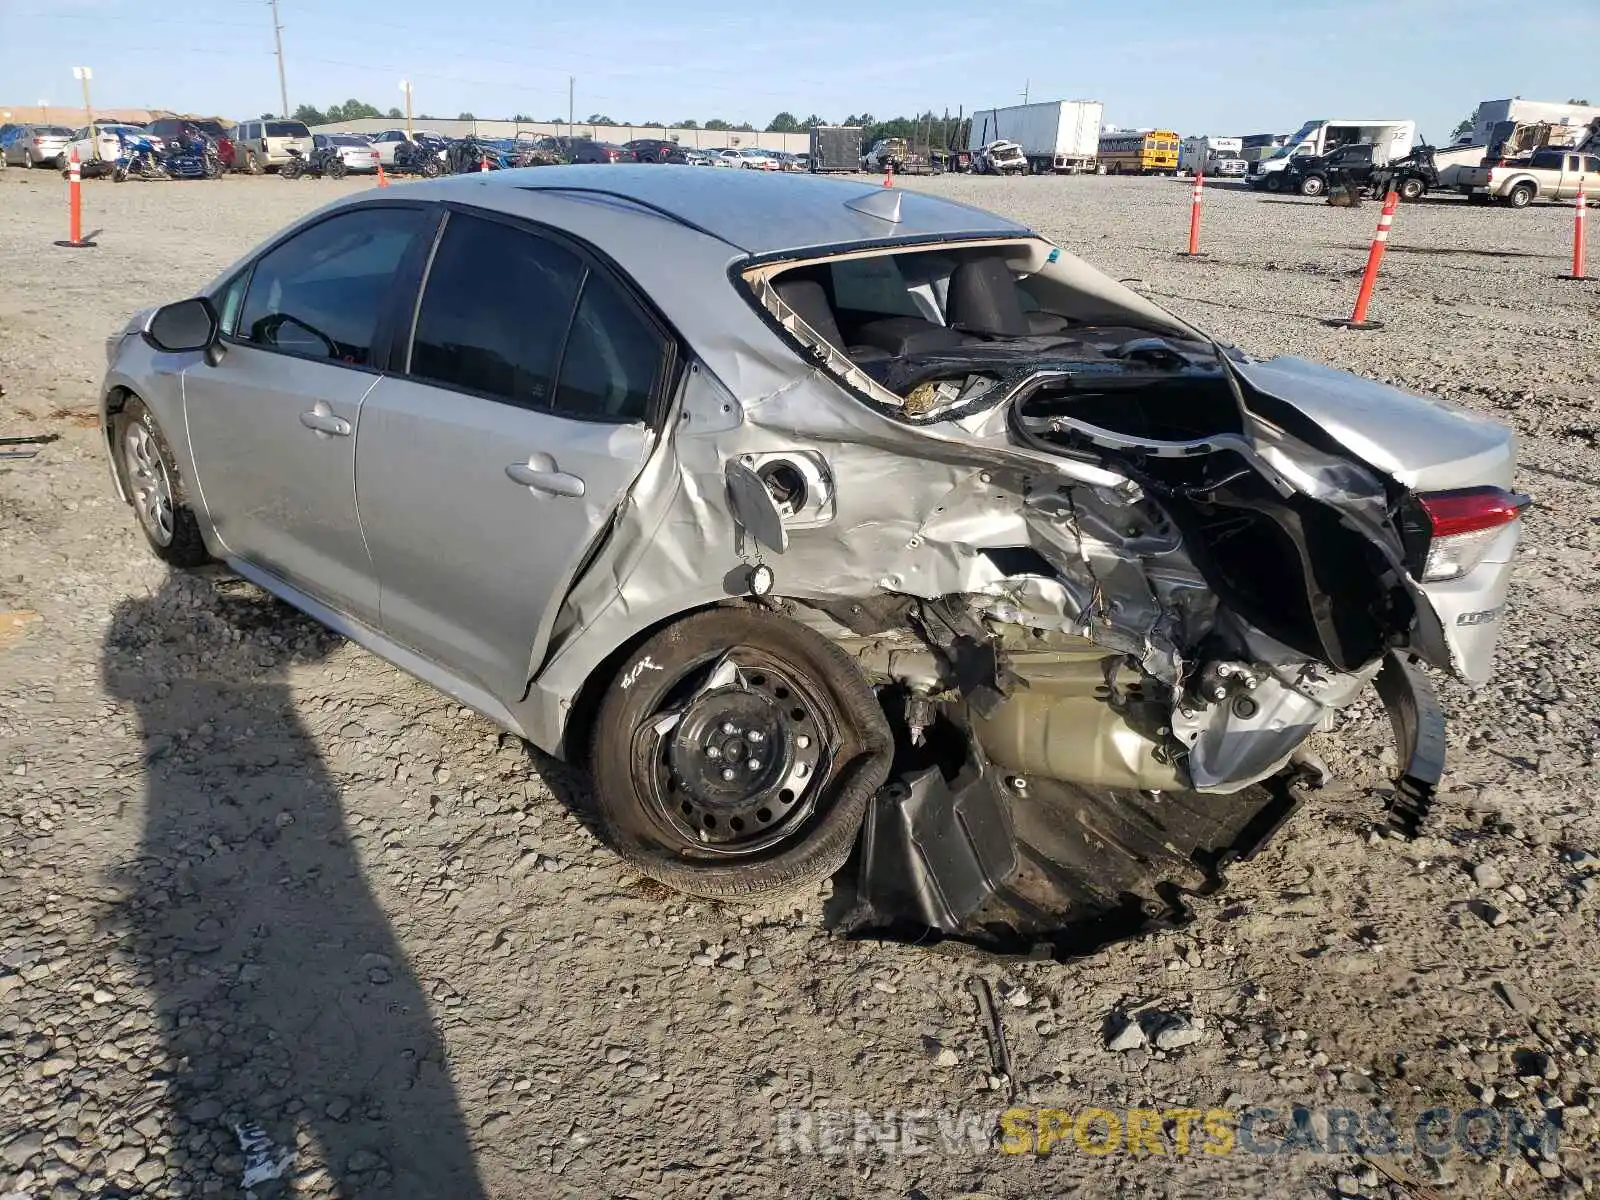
(1139, 152)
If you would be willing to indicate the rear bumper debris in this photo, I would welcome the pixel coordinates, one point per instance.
(1413, 708)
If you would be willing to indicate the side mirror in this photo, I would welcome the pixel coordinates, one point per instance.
(184, 325)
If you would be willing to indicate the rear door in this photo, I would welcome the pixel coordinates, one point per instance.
(493, 458)
(273, 426)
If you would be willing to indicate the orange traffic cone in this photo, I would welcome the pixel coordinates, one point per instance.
(383, 180)
(888, 175)
(483, 164)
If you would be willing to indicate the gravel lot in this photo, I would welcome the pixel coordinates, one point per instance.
(269, 907)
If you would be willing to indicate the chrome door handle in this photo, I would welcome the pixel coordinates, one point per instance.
(557, 483)
(325, 422)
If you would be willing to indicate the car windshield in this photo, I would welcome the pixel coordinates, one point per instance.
(1300, 135)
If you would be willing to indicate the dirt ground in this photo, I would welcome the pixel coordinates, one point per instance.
(269, 907)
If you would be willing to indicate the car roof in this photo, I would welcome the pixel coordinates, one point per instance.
(760, 212)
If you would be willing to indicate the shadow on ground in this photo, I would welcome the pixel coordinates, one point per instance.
(284, 999)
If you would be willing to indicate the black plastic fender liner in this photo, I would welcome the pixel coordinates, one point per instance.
(932, 851)
(1413, 706)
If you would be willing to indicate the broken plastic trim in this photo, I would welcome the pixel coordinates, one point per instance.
(1418, 721)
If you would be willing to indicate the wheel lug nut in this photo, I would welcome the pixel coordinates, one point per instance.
(713, 752)
(756, 737)
(803, 742)
(755, 764)
(800, 770)
(729, 727)
(727, 773)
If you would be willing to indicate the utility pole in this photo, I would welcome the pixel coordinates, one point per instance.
(277, 36)
(1025, 85)
(572, 84)
(83, 75)
(405, 86)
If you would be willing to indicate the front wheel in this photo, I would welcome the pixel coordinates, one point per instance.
(735, 754)
(150, 476)
(1412, 189)
(119, 174)
(338, 169)
(430, 168)
(291, 169)
(1272, 183)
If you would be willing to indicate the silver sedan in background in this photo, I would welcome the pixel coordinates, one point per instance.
(805, 511)
(36, 145)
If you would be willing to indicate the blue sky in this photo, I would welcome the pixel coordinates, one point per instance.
(1244, 66)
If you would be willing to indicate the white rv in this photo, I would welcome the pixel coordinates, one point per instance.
(1390, 140)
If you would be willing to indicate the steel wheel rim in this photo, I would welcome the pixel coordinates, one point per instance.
(685, 748)
(149, 482)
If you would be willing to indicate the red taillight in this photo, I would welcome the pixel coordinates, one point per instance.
(1471, 509)
(1465, 525)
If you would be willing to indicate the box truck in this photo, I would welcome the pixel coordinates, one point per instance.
(1057, 136)
(1213, 155)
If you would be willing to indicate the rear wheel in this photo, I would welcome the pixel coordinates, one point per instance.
(1412, 189)
(153, 483)
(1313, 185)
(1520, 196)
(735, 754)
(338, 169)
(252, 164)
(430, 167)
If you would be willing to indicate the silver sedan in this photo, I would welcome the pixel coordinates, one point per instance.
(36, 145)
(807, 512)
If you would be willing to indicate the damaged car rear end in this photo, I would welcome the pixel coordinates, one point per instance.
(1025, 581)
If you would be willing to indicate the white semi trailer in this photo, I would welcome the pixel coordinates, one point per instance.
(1060, 136)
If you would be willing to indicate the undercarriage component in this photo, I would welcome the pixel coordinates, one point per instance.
(1048, 869)
(932, 851)
(1079, 716)
(1419, 732)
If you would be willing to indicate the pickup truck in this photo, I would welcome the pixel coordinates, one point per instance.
(1549, 174)
(1313, 175)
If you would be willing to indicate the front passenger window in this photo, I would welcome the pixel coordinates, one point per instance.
(321, 293)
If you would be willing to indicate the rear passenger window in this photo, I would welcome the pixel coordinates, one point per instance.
(495, 311)
(613, 357)
(321, 293)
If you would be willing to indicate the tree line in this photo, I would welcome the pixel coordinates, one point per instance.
(927, 128)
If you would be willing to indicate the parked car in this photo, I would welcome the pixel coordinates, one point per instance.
(34, 145)
(653, 150)
(587, 150)
(886, 154)
(387, 142)
(726, 158)
(264, 145)
(1229, 168)
(359, 155)
(1105, 574)
(171, 129)
(697, 158)
(105, 147)
(1548, 174)
(757, 159)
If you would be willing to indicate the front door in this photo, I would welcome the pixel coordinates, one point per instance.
(273, 426)
(486, 472)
